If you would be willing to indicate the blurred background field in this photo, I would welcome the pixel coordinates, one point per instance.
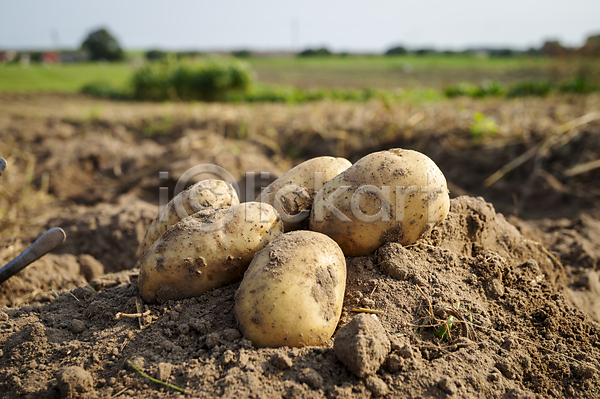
(408, 72)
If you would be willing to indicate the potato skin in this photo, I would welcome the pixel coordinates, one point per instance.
(207, 194)
(293, 291)
(206, 250)
(418, 199)
(300, 198)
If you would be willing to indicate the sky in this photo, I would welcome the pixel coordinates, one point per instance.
(340, 25)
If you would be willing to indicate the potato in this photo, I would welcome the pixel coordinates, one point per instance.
(394, 195)
(292, 292)
(293, 193)
(210, 194)
(206, 250)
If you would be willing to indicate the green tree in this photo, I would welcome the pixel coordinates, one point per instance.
(396, 50)
(102, 45)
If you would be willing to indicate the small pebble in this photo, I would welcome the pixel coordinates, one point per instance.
(368, 303)
(139, 362)
(77, 326)
(164, 371)
(231, 334)
(212, 340)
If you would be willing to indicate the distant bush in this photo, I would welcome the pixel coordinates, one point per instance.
(487, 88)
(425, 51)
(397, 50)
(540, 88)
(36, 56)
(189, 54)
(242, 53)
(153, 55)
(579, 85)
(460, 89)
(210, 80)
(320, 52)
(502, 52)
(104, 90)
(296, 95)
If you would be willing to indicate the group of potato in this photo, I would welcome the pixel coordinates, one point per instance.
(288, 246)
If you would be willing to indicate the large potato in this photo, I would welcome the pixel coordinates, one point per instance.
(394, 195)
(292, 292)
(293, 193)
(206, 250)
(207, 194)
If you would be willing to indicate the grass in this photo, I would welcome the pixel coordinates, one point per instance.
(411, 71)
(65, 78)
(355, 72)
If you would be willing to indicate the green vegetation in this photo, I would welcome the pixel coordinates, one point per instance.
(528, 87)
(319, 52)
(210, 80)
(487, 88)
(103, 89)
(65, 78)
(297, 79)
(262, 93)
(242, 53)
(102, 46)
(482, 127)
(397, 50)
(540, 88)
(578, 85)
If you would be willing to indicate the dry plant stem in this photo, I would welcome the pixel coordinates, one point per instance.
(561, 136)
(582, 168)
(138, 307)
(365, 310)
(120, 392)
(131, 315)
(154, 379)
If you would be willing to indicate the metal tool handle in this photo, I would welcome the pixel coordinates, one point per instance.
(46, 243)
(2, 165)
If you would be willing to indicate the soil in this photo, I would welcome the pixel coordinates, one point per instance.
(483, 306)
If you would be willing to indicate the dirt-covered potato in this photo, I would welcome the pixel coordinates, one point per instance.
(207, 194)
(395, 195)
(206, 250)
(292, 292)
(293, 193)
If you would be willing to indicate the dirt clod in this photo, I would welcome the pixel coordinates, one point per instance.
(90, 267)
(310, 377)
(362, 345)
(376, 386)
(75, 381)
(281, 361)
(448, 386)
(77, 326)
(163, 371)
